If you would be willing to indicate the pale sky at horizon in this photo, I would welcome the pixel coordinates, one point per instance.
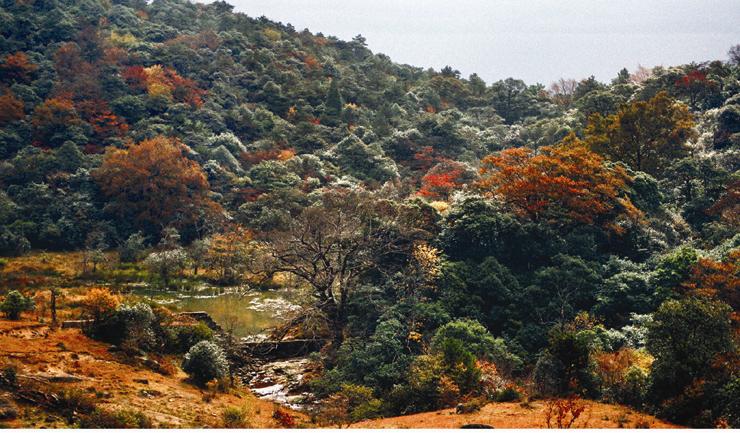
(536, 40)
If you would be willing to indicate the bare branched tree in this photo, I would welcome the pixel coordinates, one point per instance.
(332, 243)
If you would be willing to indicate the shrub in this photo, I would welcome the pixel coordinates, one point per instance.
(477, 340)
(13, 244)
(103, 419)
(132, 250)
(129, 326)
(204, 362)
(15, 304)
(568, 359)
(99, 303)
(9, 374)
(509, 393)
(632, 389)
(695, 356)
(351, 404)
(234, 417)
(472, 405)
(283, 418)
(72, 402)
(181, 338)
(137, 320)
(563, 413)
(547, 375)
(460, 365)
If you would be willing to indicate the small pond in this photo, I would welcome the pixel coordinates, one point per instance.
(250, 311)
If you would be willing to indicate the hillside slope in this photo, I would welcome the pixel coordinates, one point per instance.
(59, 361)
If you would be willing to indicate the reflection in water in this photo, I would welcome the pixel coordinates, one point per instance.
(248, 313)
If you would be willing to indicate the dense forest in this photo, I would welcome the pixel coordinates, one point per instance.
(458, 240)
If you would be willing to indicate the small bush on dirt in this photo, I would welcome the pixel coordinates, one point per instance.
(471, 406)
(507, 394)
(180, 339)
(563, 412)
(100, 418)
(351, 404)
(283, 418)
(204, 362)
(9, 374)
(234, 417)
(99, 303)
(15, 304)
(138, 320)
(73, 402)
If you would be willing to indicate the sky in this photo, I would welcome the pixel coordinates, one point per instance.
(534, 40)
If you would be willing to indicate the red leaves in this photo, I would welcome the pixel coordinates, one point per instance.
(694, 77)
(563, 413)
(135, 77)
(443, 179)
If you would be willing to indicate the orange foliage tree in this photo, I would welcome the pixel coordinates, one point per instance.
(53, 117)
(166, 82)
(11, 108)
(717, 279)
(16, 67)
(562, 182)
(155, 183)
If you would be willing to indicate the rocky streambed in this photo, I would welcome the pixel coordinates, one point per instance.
(283, 381)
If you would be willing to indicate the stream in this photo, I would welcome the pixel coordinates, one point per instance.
(249, 313)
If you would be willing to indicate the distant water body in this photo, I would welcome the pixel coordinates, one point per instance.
(535, 40)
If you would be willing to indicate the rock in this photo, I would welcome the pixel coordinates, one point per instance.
(150, 393)
(476, 426)
(60, 377)
(8, 409)
(268, 390)
(144, 381)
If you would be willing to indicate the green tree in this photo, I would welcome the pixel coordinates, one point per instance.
(15, 304)
(334, 102)
(688, 339)
(204, 362)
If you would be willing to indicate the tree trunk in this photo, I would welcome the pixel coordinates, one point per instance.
(53, 307)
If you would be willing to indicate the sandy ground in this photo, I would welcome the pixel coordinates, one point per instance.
(517, 415)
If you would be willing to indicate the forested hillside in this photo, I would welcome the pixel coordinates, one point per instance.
(459, 240)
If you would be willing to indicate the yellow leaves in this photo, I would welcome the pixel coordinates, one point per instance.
(440, 206)
(414, 336)
(156, 82)
(428, 259)
(126, 40)
(272, 34)
(292, 112)
(158, 89)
